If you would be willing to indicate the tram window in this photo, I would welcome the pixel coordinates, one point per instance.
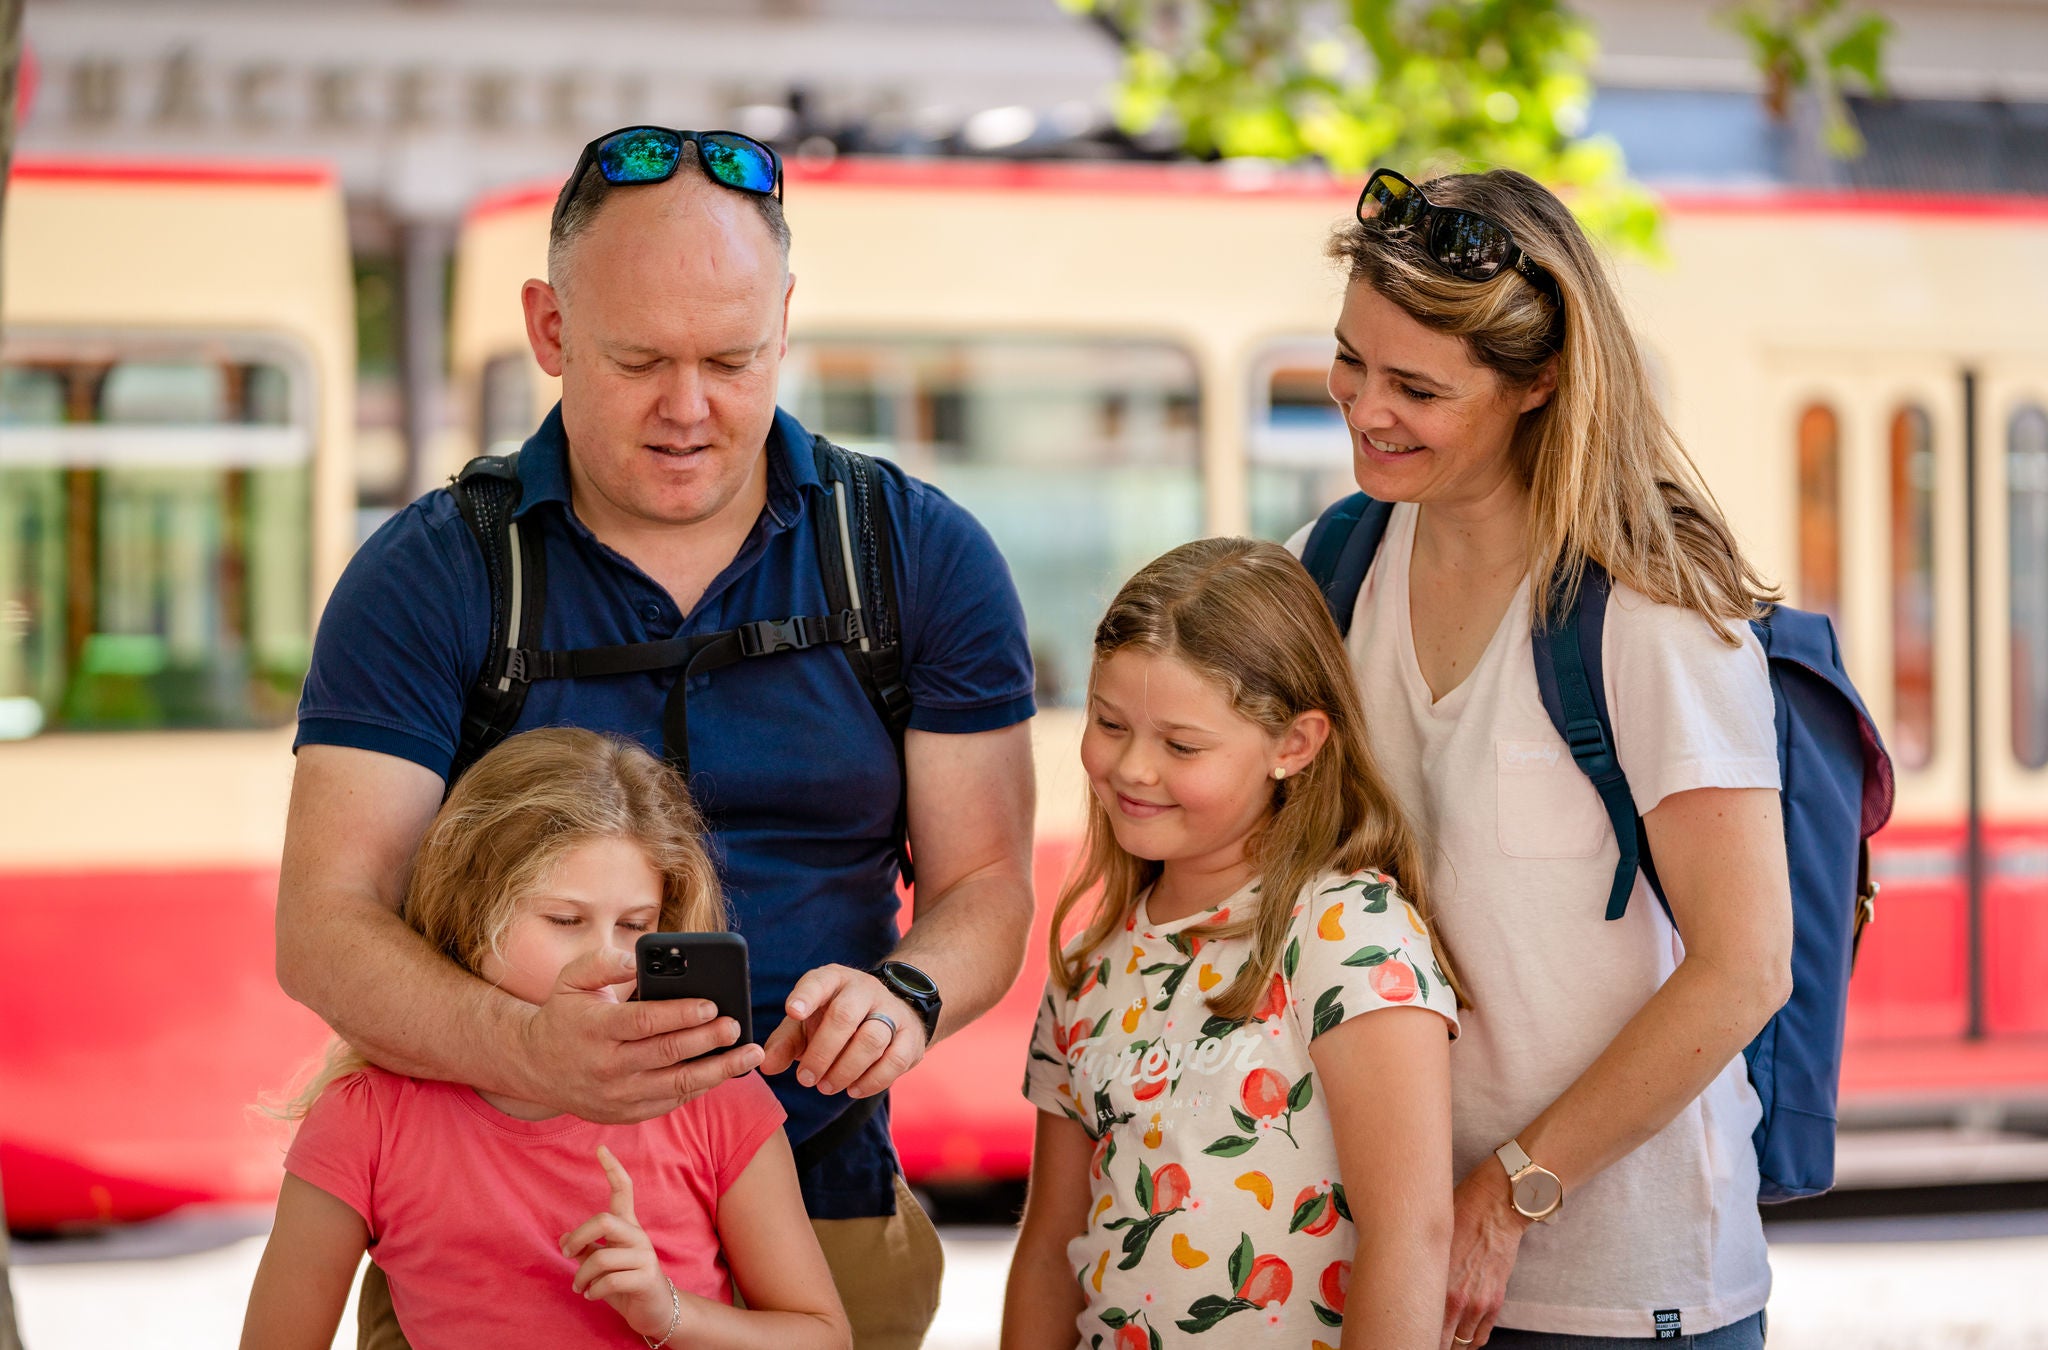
(1912, 491)
(1300, 449)
(1082, 458)
(155, 564)
(2026, 486)
(1820, 511)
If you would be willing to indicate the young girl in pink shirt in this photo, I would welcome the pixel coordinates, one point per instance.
(497, 1221)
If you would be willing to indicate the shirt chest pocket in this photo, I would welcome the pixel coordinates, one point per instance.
(1544, 806)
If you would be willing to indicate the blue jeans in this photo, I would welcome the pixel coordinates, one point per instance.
(1748, 1334)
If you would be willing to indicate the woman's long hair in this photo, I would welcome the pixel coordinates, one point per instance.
(1608, 481)
(1245, 616)
(512, 818)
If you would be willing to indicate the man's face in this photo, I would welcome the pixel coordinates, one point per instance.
(668, 330)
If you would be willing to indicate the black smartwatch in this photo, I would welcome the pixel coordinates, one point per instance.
(914, 987)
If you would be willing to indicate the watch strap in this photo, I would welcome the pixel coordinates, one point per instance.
(1513, 1158)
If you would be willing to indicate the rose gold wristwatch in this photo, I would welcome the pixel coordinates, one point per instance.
(1535, 1192)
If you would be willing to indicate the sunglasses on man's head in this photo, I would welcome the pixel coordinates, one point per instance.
(651, 154)
(1463, 243)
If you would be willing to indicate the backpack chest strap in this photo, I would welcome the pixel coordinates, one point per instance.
(688, 656)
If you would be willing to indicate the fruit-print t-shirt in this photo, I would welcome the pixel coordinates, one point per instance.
(1215, 1200)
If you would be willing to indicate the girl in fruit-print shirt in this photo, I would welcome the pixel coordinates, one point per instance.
(1229, 1150)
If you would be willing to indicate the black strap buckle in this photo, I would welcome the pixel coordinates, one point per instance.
(765, 637)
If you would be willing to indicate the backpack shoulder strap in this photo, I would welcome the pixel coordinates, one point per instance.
(859, 572)
(1340, 551)
(487, 493)
(1571, 678)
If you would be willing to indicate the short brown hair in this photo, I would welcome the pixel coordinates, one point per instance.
(573, 213)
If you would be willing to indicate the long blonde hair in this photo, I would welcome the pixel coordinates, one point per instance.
(1608, 480)
(1244, 615)
(511, 819)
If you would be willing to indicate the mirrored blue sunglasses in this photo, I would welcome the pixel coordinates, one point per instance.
(651, 154)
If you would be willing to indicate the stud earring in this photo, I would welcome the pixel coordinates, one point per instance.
(1279, 772)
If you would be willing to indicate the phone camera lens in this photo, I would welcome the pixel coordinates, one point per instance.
(654, 967)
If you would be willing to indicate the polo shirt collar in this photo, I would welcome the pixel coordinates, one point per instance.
(544, 466)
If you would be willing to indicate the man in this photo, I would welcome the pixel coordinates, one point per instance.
(672, 499)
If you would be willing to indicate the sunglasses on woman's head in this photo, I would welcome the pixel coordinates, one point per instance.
(651, 154)
(1463, 243)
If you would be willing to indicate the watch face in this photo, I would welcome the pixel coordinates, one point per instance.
(1537, 1193)
(912, 980)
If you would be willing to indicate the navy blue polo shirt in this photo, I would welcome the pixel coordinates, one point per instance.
(788, 759)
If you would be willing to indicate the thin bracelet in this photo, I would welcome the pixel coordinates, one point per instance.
(675, 1316)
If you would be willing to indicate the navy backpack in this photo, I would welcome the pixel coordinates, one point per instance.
(1837, 792)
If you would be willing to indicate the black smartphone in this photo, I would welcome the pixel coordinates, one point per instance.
(698, 965)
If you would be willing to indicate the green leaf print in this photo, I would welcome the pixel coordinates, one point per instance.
(1158, 966)
(1343, 1205)
(1350, 885)
(1245, 1120)
(1152, 1336)
(1367, 956)
(1230, 1146)
(1219, 1026)
(1327, 1317)
(1114, 1318)
(1144, 1186)
(1100, 1023)
(1329, 1011)
(1421, 984)
(1241, 1261)
(1139, 1237)
(1376, 897)
(1206, 1311)
(1040, 1055)
(1179, 942)
(1307, 1212)
(1302, 1093)
(1172, 986)
(1293, 957)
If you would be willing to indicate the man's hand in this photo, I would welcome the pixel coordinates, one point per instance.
(594, 1057)
(618, 1262)
(833, 1041)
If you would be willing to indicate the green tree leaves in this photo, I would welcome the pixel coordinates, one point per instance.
(1422, 85)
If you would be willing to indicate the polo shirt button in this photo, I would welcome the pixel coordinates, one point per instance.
(650, 612)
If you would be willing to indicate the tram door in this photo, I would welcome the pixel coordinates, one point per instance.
(2012, 574)
(1889, 453)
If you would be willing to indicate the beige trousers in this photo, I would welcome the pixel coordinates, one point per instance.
(887, 1270)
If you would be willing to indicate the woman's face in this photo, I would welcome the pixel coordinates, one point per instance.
(602, 894)
(1428, 424)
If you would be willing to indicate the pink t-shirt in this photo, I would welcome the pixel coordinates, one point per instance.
(466, 1206)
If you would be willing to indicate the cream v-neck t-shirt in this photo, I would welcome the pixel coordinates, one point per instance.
(1524, 859)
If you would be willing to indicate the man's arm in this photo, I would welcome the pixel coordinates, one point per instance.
(971, 799)
(356, 820)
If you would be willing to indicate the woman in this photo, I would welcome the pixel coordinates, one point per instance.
(1494, 391)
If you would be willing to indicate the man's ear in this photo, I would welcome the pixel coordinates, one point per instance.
(543, 308)
(788, 290)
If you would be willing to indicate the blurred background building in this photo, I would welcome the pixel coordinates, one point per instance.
(424, 107)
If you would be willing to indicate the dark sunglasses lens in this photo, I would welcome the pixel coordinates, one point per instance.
(644, 155)
(737, 161)
(1470, 246)
(1390, 200)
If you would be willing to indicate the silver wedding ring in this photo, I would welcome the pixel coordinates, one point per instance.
(1460, 1340)
(884, 1019)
